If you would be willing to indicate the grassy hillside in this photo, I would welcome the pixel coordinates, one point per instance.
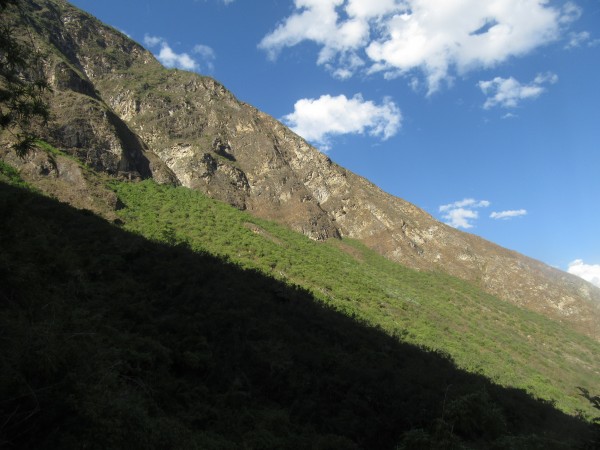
(482, 334)
(184, 338)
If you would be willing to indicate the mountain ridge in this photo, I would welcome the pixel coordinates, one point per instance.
(119, 111)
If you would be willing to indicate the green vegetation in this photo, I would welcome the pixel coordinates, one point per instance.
(22, 80)
(112, 340)
(49, 149)
(511, 346)
(10, 175)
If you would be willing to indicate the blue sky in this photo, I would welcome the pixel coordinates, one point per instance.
(485, 114)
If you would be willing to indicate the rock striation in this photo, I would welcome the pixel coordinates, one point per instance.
(119, 111)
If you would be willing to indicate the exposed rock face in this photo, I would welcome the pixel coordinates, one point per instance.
(64, 179)
(120, 112)
(82, 124)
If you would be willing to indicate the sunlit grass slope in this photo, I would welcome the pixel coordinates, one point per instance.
(483, 334)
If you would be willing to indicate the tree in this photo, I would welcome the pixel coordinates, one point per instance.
(22, 81)
(595, 402)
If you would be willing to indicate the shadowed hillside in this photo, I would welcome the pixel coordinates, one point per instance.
(112, 341)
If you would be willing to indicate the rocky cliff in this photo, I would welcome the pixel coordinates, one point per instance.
(119, 111)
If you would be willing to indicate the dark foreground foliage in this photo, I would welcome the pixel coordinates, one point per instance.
(108, 340)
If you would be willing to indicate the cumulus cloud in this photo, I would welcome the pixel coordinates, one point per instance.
(317, 20)
(461, 214)
(589, 272)
(433, 38)
(461, 217)
(169, 58)
(317, 120)
(508, 214)
(509, 92)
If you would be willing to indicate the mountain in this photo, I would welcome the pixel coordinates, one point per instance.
(119, 111)
(181, 321)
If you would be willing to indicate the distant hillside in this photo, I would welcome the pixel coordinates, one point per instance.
(110, 340)
(119, 111)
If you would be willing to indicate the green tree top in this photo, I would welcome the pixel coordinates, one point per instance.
(22, 80)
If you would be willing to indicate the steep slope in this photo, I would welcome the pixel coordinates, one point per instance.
(110, 340)
(119, 111)
(81, 122)
(505, 343)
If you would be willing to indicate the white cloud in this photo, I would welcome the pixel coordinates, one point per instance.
(319, 119)
(152, 41)
(469, 202)
(460, 217)
(435, 38)
(577, 39)
(508, 214)
(570, 12)
(317, 20)
(124, 32)
(205, 51)
(207, 54)
(169, 58)
(508, 92)
(460, 214)
(589, 272)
